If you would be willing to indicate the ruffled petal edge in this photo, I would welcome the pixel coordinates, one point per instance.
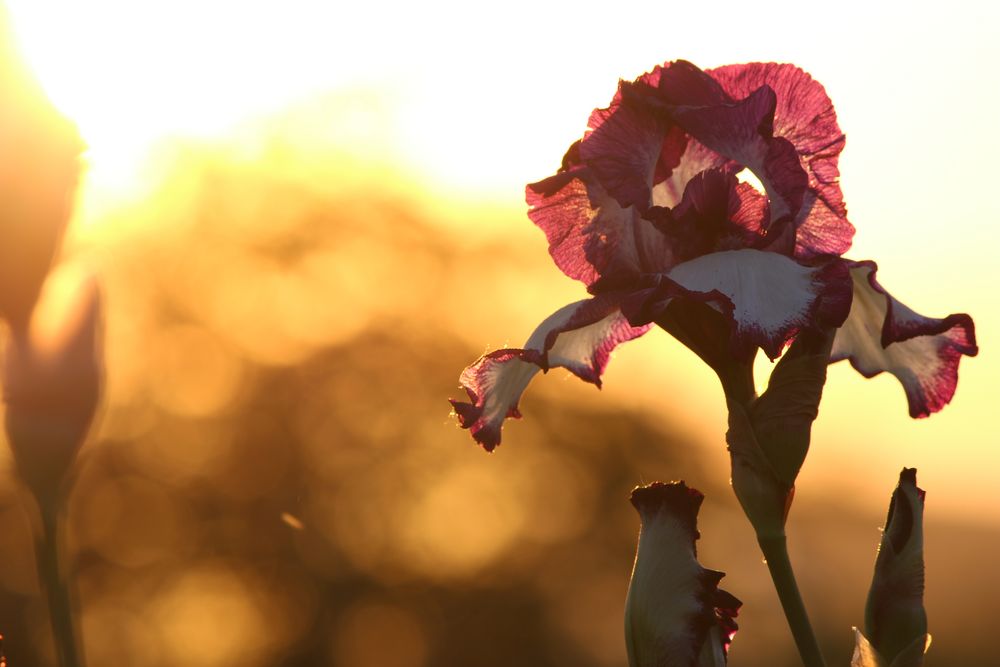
(743, 284)
(578, 337)
(882, 334)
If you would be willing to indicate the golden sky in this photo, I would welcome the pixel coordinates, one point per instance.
(471, 101)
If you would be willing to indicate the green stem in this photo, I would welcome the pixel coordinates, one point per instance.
(48, 549)
(737, 382)
(776, 554)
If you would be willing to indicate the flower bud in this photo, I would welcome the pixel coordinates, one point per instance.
(764, 497)
(895, 620)
(769, 437)
(51, 381)
(39, 167)
(675, 613)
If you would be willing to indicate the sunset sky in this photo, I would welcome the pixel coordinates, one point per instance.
(461, 105)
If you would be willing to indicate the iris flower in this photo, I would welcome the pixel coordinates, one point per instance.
(649, 212)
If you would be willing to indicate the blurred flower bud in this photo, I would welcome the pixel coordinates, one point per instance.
(769, 437)
(51, 382)
(39, 168)
(675, 613)
(895, 620)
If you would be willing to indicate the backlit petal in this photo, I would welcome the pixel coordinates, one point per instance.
(741, 131)
(591, 237)
(578, 337)
(803, 115)
(768, 297)
(622, 145)
(882, 334)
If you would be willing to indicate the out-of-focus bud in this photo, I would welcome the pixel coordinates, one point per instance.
(769, 437)
(39, 167)
(895, 621)
(675, 613)
(51, 382)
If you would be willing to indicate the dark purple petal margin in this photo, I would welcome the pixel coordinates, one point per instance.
(591, 236)
(768, 298)
(883, 334)
(579, 337)
(803, 115)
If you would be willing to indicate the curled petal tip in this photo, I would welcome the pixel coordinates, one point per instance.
(676, 498)
(908, 476)
(469, 417)
(922, 352)
(579, 337)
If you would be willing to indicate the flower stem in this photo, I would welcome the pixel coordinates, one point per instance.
(776, 555)
(48, 550)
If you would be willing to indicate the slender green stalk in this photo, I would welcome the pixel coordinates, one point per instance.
(49, 548)
(776, 553)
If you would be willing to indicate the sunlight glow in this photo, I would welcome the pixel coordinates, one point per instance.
(456, 108)
(130, 73)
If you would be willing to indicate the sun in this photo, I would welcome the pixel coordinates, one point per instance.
(130, 74)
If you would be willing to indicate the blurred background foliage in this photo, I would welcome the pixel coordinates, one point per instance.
(275, 479)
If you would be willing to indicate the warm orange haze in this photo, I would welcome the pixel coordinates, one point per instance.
(307, 219)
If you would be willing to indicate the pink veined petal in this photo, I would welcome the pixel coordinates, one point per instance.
(805, 116)
(882, 334)
(630, 148)
(681, 157)
(622, 145)
(742, 132)
(768, 297)
(779, 122)
(693, 160)
(578, 337)
(716, 213)
(685, 83)
(591, 237)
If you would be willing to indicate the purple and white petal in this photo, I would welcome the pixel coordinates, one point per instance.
(675, 613)
(716, 213)
(631, 146)
(779, 122)
(591, 237)
(882, 334)
(669, 185)
(770, 297)
(741, 131)
(623, 145)
(578, 337)
(804, 115)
